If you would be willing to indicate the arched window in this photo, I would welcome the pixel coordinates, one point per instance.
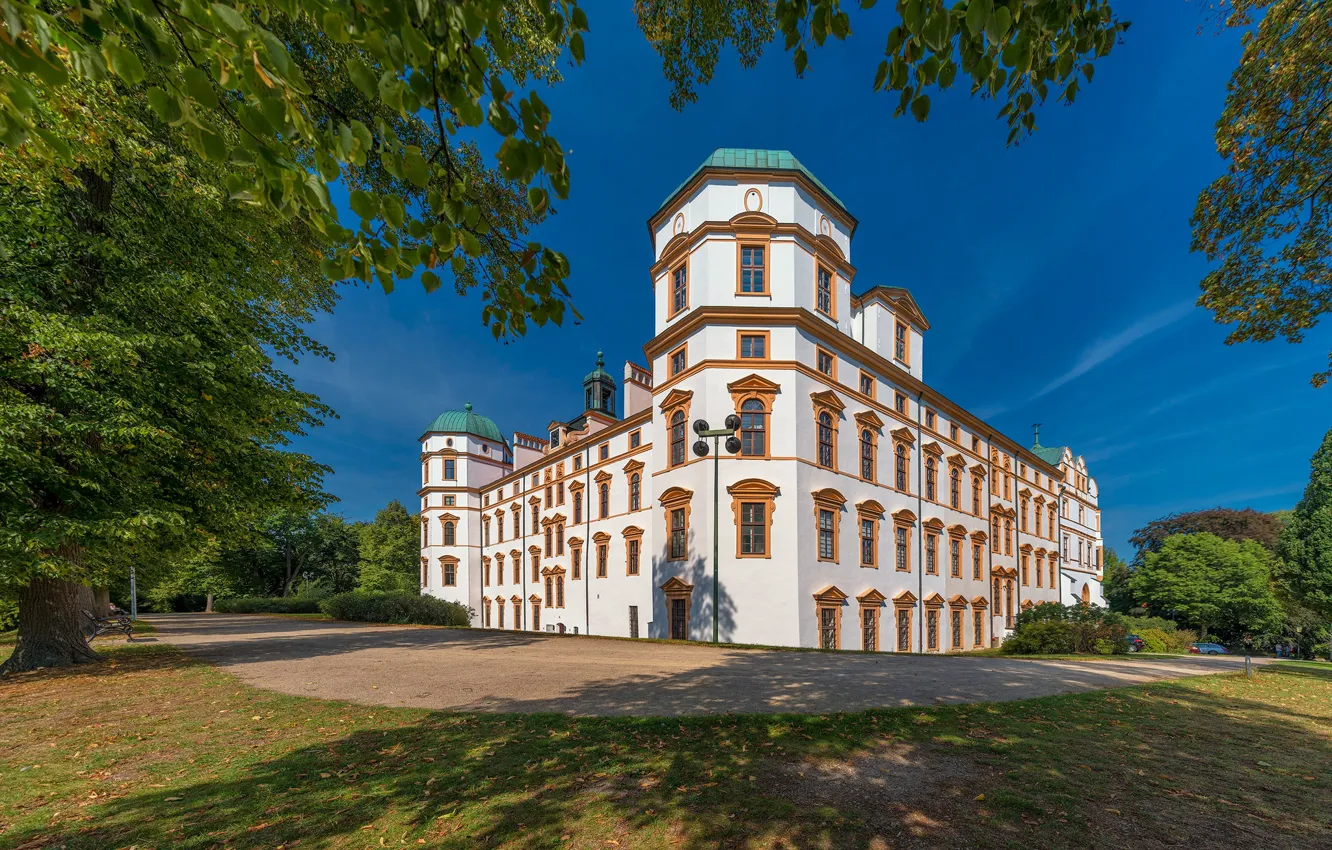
(753, 439)
(976, 495)
(955, 489)
(1008, 537)
(901, 467)
(605, 501)
(677, 438)
(994, 532)
(931, 480)
(825, 440)
(635, 492)
(449, 535)
(867, 454)
(549, 537)
(577, 506)
(536, 516)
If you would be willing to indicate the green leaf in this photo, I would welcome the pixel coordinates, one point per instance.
(394, 211)
(363, 78)
(365, 204)
(430, 280)
(1087, 71)
(997, 27)
(123, 62)
(978, 14)
(470, 244)
(920, 107)
(163, 105)
(537, 199)
(913, 15)
(576, 47)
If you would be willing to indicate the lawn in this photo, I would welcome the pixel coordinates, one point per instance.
(154, 750)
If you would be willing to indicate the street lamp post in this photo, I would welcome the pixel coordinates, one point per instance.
(701, 449)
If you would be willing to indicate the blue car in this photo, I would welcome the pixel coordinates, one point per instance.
(1208, 649)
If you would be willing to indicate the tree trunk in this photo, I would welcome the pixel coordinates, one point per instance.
(101, 602)
(208, 604)
(50, 630)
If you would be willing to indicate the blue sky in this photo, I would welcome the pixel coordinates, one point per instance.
(1056, 275)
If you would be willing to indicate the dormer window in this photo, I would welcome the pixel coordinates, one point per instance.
(555, 438)
(900, 342)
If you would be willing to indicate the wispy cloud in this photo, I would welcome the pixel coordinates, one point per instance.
(1110, 347)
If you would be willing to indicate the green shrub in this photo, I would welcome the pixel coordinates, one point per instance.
(1181, 640)
(1043, 637)
(267, 605)
(1154, 640)
(1137, 623)
(395, 607)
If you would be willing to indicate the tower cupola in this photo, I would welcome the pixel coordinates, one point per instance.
(599, 389)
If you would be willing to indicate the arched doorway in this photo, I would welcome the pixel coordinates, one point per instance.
(1086, 594)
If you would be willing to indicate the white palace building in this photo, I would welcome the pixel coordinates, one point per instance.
(863, 510)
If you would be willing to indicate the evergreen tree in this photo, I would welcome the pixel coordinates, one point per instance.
(391, 550)
(1305, 566)
(1118, 594)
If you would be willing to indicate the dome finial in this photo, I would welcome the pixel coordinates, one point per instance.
(601, 359)
(468, 407)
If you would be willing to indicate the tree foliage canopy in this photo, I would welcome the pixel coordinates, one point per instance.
(1210, 582)
(1305, 568)
(391, 550)
(1226, 523)
(1268, 218)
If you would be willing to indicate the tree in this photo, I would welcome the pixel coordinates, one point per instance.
(1266, 219)
(1209, 582)
(391, 550)
(1118, 594)
(1226, 523)
(1305, 567)
(143, 316)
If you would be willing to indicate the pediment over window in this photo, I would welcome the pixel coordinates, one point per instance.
(979, 536)
(932, 448)
(934, 600)
(515, 554)
(553, 571)
(449, 518)
(449, 559)
(534, 550)
(904, 515)
(957, 460)
(829, 498)
(1025, 548)
(830, 245)
(869, 419)
(904, 435)
(753, 487)
(753, 220)
(979, 602)
(957, 530)
(1025, 492)
(534, 599)
(601, 537)
(576, 542)
(516, 599)
(633, 466)
(958, 601)
(676, 398)
(978, 469)
(675, 496)
(933, 524)
(675, 584)
(632, 532)
(869, 507)
(753, 384)
(904, 597)
(576, 486)
(1026, 605)
(871, 597)
(827, 399)
(602, 477)
(1040, 553)
(831, 594)
(1003, 572)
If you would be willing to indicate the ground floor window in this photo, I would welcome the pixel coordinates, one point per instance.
(978, 625)
(499, 612)
(903, 629)
(869, 629)
(932, 630)
(828, 637)
(679, 619)
(536, 615)
(957, 630)
(633, 621)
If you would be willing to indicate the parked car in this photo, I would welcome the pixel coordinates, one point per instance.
(1208, 649)
(1135, 643)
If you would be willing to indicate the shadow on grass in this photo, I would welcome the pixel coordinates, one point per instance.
(1212, 763)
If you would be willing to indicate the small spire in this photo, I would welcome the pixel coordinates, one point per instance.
(468, 407)
(1036, 427)
(601, 360)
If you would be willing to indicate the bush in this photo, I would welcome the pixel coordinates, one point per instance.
(1154, 640)
(1043, 637)
(1181, 640)
(268, 605)
(395, 607)
(1137, 623)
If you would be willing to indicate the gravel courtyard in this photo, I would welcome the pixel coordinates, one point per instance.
(499, 671)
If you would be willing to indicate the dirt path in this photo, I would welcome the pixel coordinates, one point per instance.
(476, 670)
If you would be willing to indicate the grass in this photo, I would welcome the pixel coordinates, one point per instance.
(154, 750)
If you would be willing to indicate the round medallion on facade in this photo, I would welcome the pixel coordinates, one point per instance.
(449, 442)
(753, 200)
(678, 227)
(825, 226)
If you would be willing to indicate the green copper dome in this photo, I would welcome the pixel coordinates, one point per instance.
(599, 372)
(466, 422)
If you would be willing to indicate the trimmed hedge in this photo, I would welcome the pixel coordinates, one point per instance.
(401, 608)
(268, 605)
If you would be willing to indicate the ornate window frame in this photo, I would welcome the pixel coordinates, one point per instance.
(632, 534)
(833, 599)
(826, 402)
(904, 602)
(676, 498)
(829, 499)
(753, 491)
(764, 391)
(903, 520)
(871, 604)
(872, 512)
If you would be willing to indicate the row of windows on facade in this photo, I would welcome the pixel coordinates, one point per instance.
(632, 565)
(830, 628)
(553, 527)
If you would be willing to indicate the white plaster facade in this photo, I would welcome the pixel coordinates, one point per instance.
(836, 550)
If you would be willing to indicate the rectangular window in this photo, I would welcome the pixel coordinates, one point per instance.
(753, 528)
(869, 629)
(955, 558)
(633, 621)
(601, 560)
(559, 493)
(903, 629)
(826, 363)
(932, 630)
(550, 494)
(952, 433)
(450, 501)
(899, 403)
(976, 556)
(450, 574)
(578, 462)
(678, 535)
(1026, 570)
(932, 554)
(753, 346)
(679, 289)
(827, 541)
(635, 440)
(975, 444)
(555, 438)
(450, 469)
(900, 342)
(576, 563)
(867, 553)
(957, 629)
(828, 637)
(752, 270)
(867, 384)
(679, 360)
(823, 297)
(633, 557)
(978, 626)
(901, 539)
(930, 421)
(603, 451)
